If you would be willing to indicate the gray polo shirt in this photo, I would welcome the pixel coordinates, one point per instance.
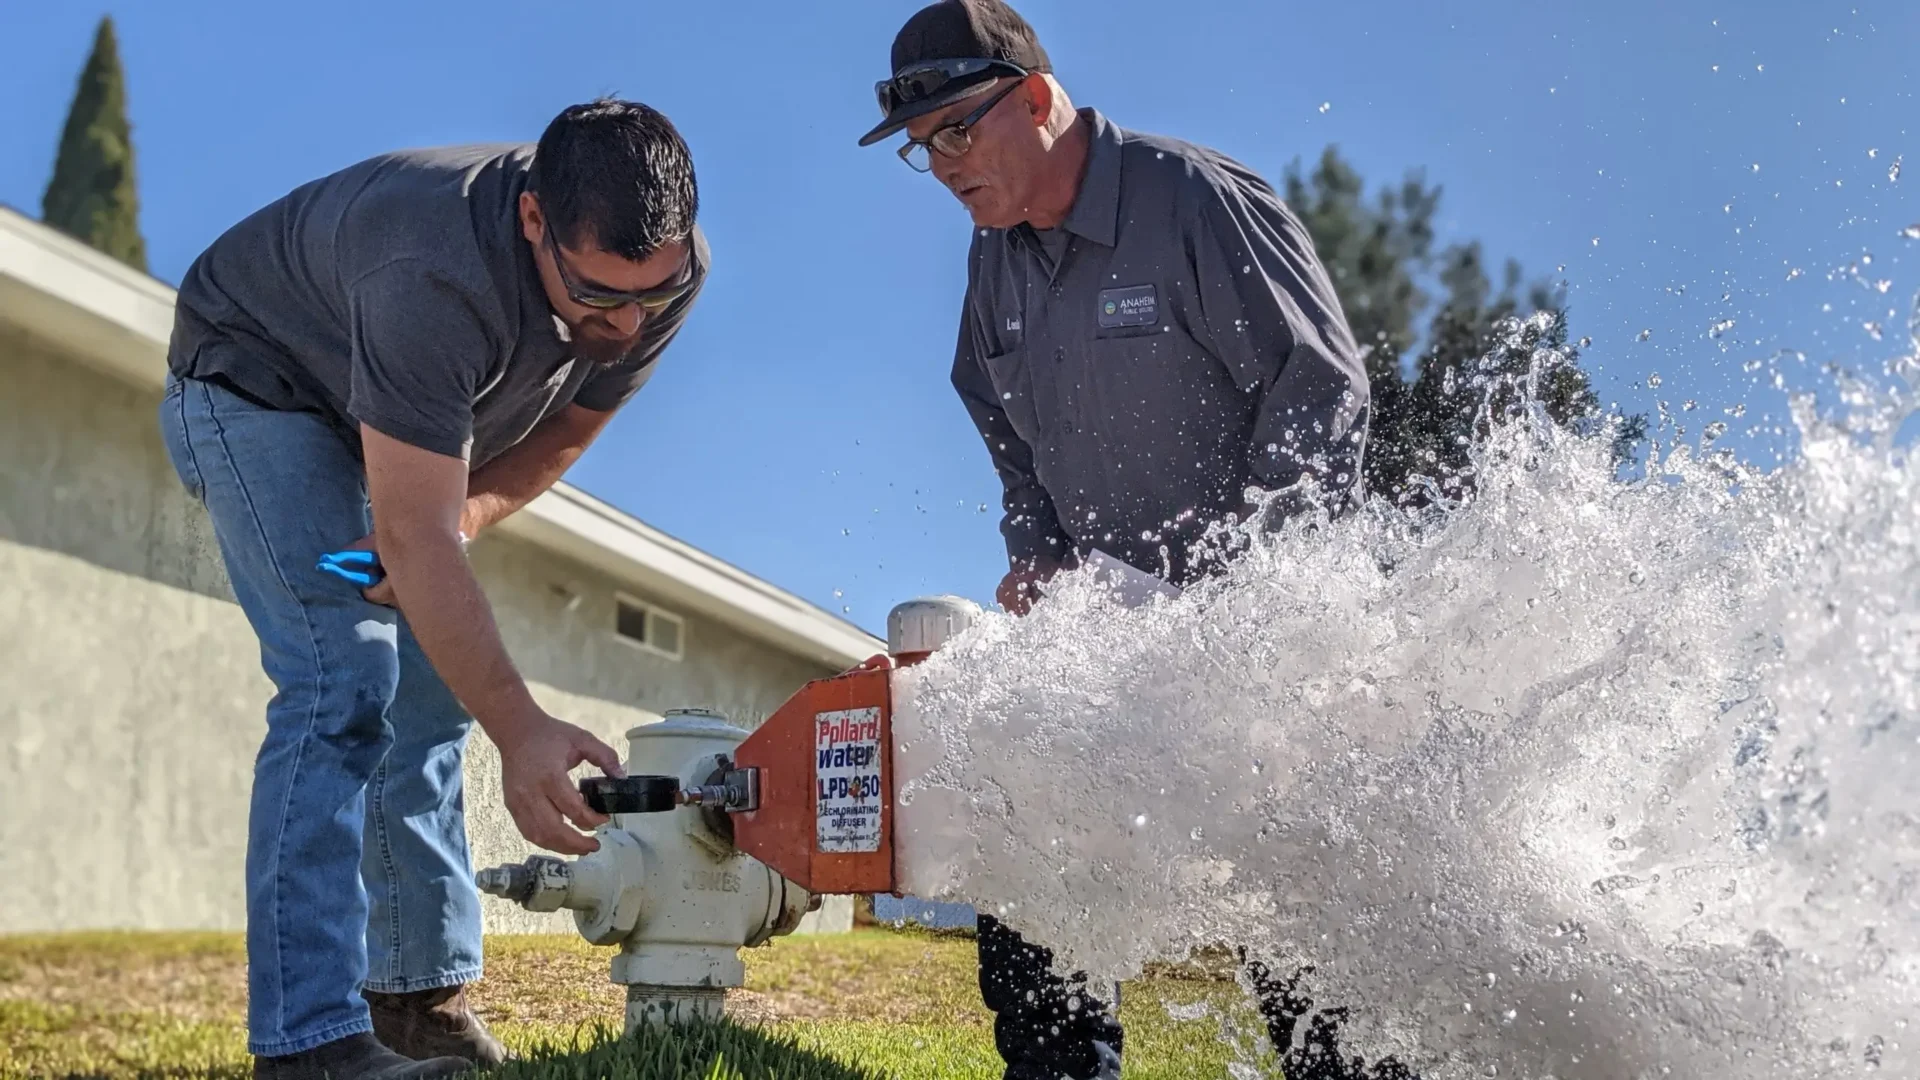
(1173, 343)
(399, 292)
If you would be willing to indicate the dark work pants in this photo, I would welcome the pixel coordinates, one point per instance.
(1047, 1027)
(1044, 1026)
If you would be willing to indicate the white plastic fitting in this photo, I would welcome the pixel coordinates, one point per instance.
(669, 888)
(924, 624)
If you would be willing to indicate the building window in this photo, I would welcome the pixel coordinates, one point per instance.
(647, 627)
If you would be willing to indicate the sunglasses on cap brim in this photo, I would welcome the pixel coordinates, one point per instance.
(920, 82)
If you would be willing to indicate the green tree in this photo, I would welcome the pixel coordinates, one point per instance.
(1477, 351)
(93, 196)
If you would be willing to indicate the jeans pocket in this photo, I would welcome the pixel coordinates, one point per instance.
(176, 434)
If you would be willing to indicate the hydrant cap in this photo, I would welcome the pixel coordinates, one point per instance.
(925, 624)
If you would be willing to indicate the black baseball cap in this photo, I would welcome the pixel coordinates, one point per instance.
(946, 52)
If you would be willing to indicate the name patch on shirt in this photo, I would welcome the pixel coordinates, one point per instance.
(1135, 305)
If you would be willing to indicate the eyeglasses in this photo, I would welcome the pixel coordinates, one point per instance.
(954, 139)
(918, 82)
(653, 301)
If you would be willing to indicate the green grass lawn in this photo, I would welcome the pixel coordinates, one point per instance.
(862, 1006)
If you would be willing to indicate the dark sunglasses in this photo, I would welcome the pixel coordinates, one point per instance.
(653, 301)
(953, 139)
(918, 82)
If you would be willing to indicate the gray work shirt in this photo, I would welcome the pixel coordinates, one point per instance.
(401, 293)
(1180, 343)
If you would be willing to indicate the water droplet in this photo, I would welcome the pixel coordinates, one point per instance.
(1325, 105)
(1645, 334)
(1911, 232)
(1653, 380)
(1196, 833)
(1893, 172)
(1596, 241)
(1140, 821)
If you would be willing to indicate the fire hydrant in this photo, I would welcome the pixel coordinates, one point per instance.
(722, 840)
(667, 884)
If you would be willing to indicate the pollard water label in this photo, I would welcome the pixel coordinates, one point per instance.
(846, 746)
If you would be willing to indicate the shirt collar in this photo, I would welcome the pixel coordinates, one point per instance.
(1096, 209)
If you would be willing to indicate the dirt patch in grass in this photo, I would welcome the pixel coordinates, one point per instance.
(870, 975)
(195, 978)
(557, 982)
(906, 1003)
(538, 981)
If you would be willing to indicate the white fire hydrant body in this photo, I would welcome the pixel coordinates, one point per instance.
(669, 887)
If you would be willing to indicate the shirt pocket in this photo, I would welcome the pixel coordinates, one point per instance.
(1012, 379)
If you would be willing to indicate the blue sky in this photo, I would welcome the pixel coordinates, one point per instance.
(803, 427)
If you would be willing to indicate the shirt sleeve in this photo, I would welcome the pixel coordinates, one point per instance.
(613, 385)
(421, 351)
(1029, 524)
(1270, 314)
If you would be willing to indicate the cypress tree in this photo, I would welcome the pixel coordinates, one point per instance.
(92, 195)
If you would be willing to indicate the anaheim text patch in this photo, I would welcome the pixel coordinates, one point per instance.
(1135, 305)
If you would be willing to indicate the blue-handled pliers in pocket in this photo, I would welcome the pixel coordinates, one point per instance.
(360, 567)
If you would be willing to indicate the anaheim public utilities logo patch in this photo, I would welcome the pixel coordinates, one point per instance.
(1135, 305)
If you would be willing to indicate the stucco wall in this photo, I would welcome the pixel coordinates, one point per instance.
(131, 696)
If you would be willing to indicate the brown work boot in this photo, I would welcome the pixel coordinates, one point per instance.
(356, 1057)
(431, 1023)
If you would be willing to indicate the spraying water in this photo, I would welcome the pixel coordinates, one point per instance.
(1581, 778)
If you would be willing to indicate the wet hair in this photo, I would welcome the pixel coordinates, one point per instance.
(618, 174)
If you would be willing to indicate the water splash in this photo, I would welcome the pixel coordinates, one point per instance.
(1578, 778)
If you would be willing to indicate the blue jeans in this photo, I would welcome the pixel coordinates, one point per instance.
(357, 867)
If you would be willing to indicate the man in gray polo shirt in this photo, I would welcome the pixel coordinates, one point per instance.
(391, 359)
(1147, 336)
(1147, 330)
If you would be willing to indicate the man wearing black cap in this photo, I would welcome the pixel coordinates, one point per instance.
(1148, 345)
